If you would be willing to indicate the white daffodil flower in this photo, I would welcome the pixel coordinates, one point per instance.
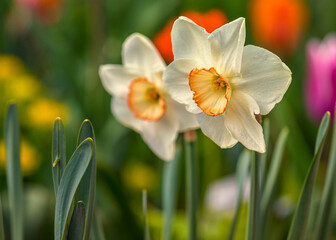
(224, 83)
(140, 100)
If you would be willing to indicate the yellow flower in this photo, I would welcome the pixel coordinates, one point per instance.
(9, 67)
(43, 111)
(29, 158)
(140, 176)
(18, 87)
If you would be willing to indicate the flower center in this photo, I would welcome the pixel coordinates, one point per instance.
(211, 91)
(145, 101)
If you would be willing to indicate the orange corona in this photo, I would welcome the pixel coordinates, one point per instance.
(145, 100)
(211, 91)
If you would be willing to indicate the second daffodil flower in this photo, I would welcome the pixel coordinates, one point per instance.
(140, 100)
(225, 84)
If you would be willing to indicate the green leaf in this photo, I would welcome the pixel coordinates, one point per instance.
(298, 227)
(253, 215)
(273, 173)
(97, 232)
(14, 178)
(263, 156)
(191, 183)
(242, 173)
(58, 160)
(144, 208)
(76, 227)
(87, 188)
(324, 217)
(2, 231)
(169, 191)
(72, 175)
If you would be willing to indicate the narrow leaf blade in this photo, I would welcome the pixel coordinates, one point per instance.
(72, 175)
(144, 207)
(2, 230)
(58, 159)
(87, 187)
(299, 222)
(169, 191)
(253, 215)
(14, 178)
(324, 217)
(97, 232)
(273, 172)
(76, 227)
(263, 156)
(191, 183)
(242, 173)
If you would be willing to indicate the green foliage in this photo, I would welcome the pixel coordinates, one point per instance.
(169, 191)
(298, 226)
(72, 175)
(144, 207)
(14, 178)
(58, 159)
(76, 226)
(325, 218)
(87, 188)
(241, 172)
(191, 184)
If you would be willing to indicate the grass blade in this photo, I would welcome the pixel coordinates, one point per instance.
(324, 217)
(72, 175)
(144, 207)
(76, 227)
(97, 232)
(191, 183)
(253, 215)
(263, 156)
(272, 175)
(87, 188)
(242, 173)
(301, 215)
(14, 178)
(2, 230)
(169, 191)
(58, 159)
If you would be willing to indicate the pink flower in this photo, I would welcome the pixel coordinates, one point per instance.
(321, 77)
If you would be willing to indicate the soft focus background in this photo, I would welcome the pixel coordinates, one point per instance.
(50, 51)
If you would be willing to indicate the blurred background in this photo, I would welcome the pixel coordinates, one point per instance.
(50, 51)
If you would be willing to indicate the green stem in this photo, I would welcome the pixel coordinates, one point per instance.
(169, 190)
(191, 183)
(254, 200)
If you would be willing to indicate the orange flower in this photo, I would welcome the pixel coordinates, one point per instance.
(47, 11)
(278, 25)
(210, 20)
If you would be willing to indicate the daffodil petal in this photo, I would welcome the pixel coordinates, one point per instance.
(227, 44)
(186, 119)
(176, 79)
(215, 129)
(264, 77)
(116, 79)
(240, 121)
(161, 135)
(124, 115)
(190, 41)
(139, 52)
